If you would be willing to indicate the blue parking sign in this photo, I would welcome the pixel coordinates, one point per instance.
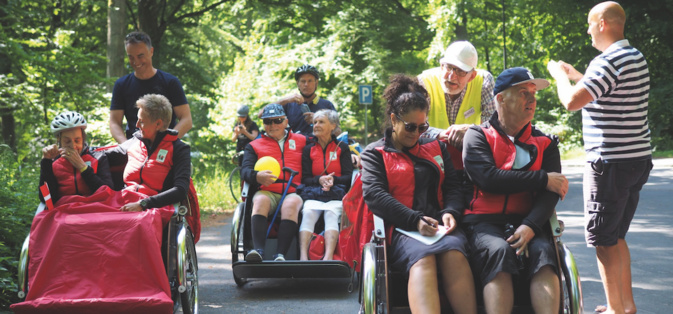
(365, 94)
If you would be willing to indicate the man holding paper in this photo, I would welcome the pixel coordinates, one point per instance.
(515, 171)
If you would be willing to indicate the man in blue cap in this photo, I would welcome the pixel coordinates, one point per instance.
(286, 147)
(515, 172)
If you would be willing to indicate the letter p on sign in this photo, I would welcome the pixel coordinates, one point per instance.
(365, 94)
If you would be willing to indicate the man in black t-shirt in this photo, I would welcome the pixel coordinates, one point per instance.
(144, 80)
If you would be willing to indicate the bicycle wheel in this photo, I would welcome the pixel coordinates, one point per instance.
(235, 184)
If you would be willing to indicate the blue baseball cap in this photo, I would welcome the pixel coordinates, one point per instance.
(272, 111)
(517, 76)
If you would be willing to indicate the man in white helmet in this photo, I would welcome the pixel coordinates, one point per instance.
(69, 167)
(460, 94)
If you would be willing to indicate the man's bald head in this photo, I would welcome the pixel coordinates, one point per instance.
(606, 24)
(611, 12)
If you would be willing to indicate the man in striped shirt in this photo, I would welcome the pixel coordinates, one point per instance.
(613, 95)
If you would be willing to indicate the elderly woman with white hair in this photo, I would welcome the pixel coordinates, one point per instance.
(327, 170)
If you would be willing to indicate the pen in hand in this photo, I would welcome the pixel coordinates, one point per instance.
(427, 222)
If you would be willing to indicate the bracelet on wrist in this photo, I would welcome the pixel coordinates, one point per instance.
(83, 168)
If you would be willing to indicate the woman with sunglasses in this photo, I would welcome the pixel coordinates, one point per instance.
(327, 176)
(411, 184)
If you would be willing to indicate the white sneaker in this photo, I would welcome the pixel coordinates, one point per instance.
(279, 258)
(254, 256)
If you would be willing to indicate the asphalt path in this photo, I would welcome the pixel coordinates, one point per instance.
(650, 239)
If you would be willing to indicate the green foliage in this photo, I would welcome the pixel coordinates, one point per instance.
(213, 190)
(18, 200)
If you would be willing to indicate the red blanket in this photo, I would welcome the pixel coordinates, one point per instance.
(88, 257)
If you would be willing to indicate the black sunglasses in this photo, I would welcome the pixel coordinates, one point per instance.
(411, 127)
(136, 36)
(268, 121)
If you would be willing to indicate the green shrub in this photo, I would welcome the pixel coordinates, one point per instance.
(213, 190)
(18, 200)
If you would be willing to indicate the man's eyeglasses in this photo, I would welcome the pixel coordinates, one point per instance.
(411, 127)
(457, 71)
(269, 121)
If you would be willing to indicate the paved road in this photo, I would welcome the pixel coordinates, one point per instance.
(650, 239)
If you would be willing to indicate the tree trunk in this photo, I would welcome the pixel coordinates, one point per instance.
(151, 20)
(7, 120)
(116, 21)
(461, 28)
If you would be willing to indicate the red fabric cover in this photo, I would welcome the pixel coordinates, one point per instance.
(290, 157)
(354, 237)
(504, 153)
(146, 173)
(88, 257)
(70, 181)
(316, 247)
(193, 217)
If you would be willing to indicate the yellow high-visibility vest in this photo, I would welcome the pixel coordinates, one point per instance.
(470, 108)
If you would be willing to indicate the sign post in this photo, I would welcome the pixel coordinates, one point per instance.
(366, 97)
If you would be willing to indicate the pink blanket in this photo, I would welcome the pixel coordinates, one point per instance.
(88, 257)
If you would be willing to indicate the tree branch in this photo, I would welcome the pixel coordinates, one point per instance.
(417, 17)
(163, 10)
(133, 16)
(197, 13)
(175, 11)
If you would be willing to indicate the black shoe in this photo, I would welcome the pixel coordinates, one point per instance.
(254, 256)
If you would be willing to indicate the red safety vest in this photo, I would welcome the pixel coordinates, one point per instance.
(146, 174)
(290, 157)
(504, 153)
(326, 161)
(400, 172)
(70, 181)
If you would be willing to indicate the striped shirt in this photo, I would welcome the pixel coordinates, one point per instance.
(615, 125)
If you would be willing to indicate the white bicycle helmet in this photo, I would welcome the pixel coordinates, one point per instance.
(67, 120)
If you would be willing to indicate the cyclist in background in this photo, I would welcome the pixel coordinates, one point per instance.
(245, 131)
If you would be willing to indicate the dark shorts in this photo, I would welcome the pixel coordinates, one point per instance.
(611, 194)
(406, 251)
(491, 254)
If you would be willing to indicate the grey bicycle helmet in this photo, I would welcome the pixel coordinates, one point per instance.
(243, 111)
(67, 120)
(306, 68)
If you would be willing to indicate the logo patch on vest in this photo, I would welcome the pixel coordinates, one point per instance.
(332, 155)
(161, 156)
(440, 161)
(292, 145)
(468, 113)
(88, 163)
